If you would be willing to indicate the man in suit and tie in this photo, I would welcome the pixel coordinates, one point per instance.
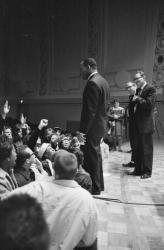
(93, 123)
(130, 111)
(144, 111)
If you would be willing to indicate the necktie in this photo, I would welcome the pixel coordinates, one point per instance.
(139, 91)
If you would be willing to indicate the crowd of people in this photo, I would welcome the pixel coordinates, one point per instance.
(47, 164)
(55, 172)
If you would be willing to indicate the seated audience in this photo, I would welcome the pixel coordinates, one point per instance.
(22, 224)
(66, 205)
(7, 163)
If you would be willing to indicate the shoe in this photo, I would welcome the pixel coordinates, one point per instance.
(134, 173)
(96, 192)
(145, 176)
(128, 165)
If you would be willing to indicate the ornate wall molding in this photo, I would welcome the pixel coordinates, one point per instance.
(67, 46)
(158, 71)
(43, 47)
(95, 30)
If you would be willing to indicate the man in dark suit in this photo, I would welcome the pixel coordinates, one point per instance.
(96, 97)
(144, 108)
(131, 87)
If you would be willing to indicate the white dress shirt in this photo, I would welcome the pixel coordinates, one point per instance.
(70, 212)
(92, 74)
(143, 86)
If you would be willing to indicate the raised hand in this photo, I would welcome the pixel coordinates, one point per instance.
(81, 137)
(23, 119)
(6, 108)
(43, 123)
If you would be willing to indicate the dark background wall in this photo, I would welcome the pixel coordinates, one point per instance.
(43, 42)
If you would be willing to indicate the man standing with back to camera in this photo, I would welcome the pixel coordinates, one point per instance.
(93, 123)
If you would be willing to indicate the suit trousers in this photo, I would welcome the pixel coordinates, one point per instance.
(133, 140)
(144, 154)
(93, 161)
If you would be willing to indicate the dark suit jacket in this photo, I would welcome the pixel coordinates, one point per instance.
(145, 109)
(95, 106)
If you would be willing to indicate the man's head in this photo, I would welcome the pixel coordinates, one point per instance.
(25, 157)
(57, 130)
(54, 140)
(23, 225)
(87, 67)
(65, 165)
(116, 103)
(8, 132)
(46, 152)
(48, 132)
(139, 79)
(7, 153)
(131, 87)
(18, 132)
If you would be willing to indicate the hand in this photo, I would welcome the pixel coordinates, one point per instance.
(135, 97)
(115, 116)
(6, 108)
(43, 123)
(81, 137)
(39, 165)
(23, 119)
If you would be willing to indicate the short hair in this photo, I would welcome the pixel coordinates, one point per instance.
(6, 147)
(65, 164)
(23, 226)
(47, 134)
(116, 100)
(7, 127)
(89, 62)
(142, 74)
(22, 155)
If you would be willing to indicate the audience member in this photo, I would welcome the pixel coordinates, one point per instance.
(66, 205)
(82, 177)
(22, 224)
(7, 163)
(22, 172)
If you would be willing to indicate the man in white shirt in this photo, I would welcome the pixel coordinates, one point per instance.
(70, 210)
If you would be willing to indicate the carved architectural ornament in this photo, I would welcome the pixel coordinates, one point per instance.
(158, 72)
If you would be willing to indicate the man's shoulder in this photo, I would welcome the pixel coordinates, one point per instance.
(97, 78)
(149, 87)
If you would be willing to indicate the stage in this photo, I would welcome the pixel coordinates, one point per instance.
(132, 216)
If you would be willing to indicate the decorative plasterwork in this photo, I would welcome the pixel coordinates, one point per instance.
(43, 49)
(158, 71)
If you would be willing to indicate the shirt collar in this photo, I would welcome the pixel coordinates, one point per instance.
(143, 86)
(67, 183)
(95, 72)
